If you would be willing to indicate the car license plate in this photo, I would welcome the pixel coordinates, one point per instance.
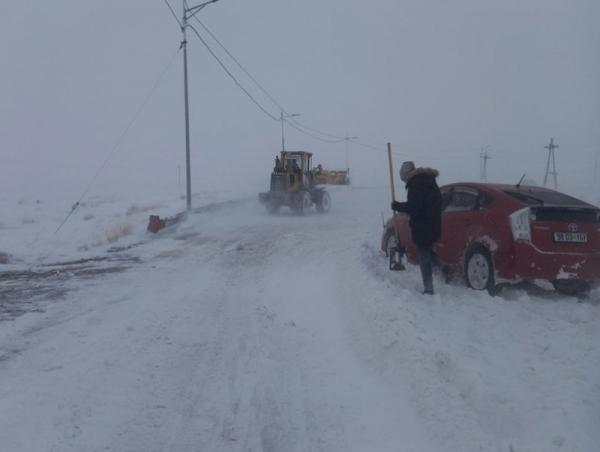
(574, 237)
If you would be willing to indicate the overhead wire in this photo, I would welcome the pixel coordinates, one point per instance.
(173, 12)
(238, 83)
(369, 146)
(236, 61)
(300, 127)
(304, 126)
(228, 72)
(292, 122)
(324, 140)
(314, 133)
(121, 137)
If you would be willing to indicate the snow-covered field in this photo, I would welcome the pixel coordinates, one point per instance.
(238, 331)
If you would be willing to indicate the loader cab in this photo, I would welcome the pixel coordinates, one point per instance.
(297, 165)
(299, 159)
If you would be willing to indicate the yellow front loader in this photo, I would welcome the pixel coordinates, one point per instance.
(293, 184)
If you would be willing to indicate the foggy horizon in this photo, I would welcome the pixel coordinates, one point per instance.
(439, 81)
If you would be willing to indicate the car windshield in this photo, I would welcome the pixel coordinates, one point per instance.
(545, 198)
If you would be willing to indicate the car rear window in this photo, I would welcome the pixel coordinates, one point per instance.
(546, 198)
(566, 215)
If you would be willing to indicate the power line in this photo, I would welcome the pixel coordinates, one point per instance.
(173, 12)
(337, 138)
(236, 61)
(324, 140)
(294, 123)
(369, 146)
(297, 125)
(291, 123)
(121, 137)
(302, 128)
(235, 80)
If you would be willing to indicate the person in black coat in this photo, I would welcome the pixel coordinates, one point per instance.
(424, 206)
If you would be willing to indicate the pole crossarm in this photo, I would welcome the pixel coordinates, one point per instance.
(191, 12)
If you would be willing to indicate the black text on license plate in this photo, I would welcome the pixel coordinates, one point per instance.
(577, 237)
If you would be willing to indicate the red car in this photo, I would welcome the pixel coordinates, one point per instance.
(493, 234)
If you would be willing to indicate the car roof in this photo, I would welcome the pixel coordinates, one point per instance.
(525, 189)
(499, 187)
(297, 153)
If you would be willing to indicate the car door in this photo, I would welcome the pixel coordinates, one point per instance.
(462, 222)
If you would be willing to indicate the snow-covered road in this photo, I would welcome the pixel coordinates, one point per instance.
(238, 331)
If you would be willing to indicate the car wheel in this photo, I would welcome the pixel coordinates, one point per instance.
(395, 253)
(391, 242)
(479, 270)
(324, 203)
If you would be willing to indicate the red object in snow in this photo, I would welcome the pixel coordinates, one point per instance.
(155, 224)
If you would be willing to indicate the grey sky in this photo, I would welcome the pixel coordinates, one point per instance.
(438, 79)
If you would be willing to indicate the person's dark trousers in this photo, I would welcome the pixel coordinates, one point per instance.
(427, 259)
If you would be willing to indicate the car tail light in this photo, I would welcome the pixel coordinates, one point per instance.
(520, 224)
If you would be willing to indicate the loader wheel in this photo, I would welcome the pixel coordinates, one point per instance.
(273, 207)
(324, 203)
(304, 202)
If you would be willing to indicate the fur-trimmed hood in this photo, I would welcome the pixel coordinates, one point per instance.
(417, 171)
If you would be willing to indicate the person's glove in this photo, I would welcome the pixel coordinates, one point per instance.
(396, 206)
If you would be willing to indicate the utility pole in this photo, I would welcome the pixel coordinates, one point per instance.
(347, 139)
(551, 147)
(282, 119)
(484, 158)
(179, 179)
(188, 13)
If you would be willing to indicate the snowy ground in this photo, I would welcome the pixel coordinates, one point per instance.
(237, 331)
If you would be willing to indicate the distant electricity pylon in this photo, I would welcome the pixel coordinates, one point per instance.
(484, 156)
(551, 147)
